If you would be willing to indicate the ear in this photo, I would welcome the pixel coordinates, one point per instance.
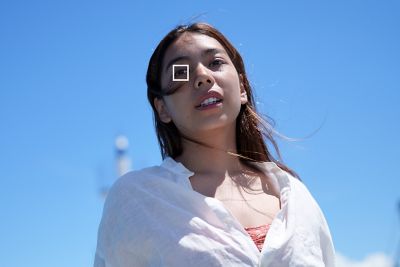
(243, 94)
(162, 111)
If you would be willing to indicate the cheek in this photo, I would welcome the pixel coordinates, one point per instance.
(231, 87)
(182, 119)
(178, 110)
(228, 80)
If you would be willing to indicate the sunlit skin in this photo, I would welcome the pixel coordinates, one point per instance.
(214, 169)
(215, 127)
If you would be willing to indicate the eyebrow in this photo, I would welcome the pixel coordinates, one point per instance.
(203, 53)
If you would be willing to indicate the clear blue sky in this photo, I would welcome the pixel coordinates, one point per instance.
(72, 76)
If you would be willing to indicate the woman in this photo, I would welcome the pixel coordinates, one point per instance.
(219, 198)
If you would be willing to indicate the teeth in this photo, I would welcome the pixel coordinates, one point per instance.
(209, 101)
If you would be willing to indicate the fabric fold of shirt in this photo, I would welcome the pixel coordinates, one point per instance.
(153, 217)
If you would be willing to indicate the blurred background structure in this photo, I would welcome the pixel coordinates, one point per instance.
(122, 164)
(72, 75)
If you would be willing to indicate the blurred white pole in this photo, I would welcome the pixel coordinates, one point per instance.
(120, 166)
(122, 159)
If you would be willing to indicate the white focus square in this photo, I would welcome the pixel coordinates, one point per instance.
(177, 66)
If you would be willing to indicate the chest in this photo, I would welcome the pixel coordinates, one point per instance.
(252, 205)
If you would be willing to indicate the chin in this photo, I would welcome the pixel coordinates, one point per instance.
(214, 124)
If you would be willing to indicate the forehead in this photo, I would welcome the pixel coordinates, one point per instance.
(191, 44)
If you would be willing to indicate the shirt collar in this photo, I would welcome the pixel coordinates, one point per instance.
(176, 167)
(280, 178)
(267, 167)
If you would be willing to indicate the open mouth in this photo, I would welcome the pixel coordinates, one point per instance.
(209, 101)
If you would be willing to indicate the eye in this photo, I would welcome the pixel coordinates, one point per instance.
(180, 73)
(217, 62)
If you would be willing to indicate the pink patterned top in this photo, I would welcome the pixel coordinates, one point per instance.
(258, 234)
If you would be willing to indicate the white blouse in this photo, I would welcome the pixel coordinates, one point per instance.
(153, 217)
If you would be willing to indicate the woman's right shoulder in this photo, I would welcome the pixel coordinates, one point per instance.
(139, 176)
(135, 180)
(123, 222)
(128, 194)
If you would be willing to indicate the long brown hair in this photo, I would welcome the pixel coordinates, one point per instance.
(252, 131)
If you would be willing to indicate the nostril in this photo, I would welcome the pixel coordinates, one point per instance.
(199, 83)
(208, 80)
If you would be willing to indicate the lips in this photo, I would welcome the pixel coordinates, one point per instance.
(209, 94)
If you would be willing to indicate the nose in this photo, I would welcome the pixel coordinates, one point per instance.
(203, 78)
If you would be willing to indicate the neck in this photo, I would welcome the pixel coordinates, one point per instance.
(213, 158)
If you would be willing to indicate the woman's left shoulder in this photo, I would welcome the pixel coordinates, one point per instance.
(309, 219)
(302, 195)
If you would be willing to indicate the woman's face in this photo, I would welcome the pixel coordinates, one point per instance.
(212, 76)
